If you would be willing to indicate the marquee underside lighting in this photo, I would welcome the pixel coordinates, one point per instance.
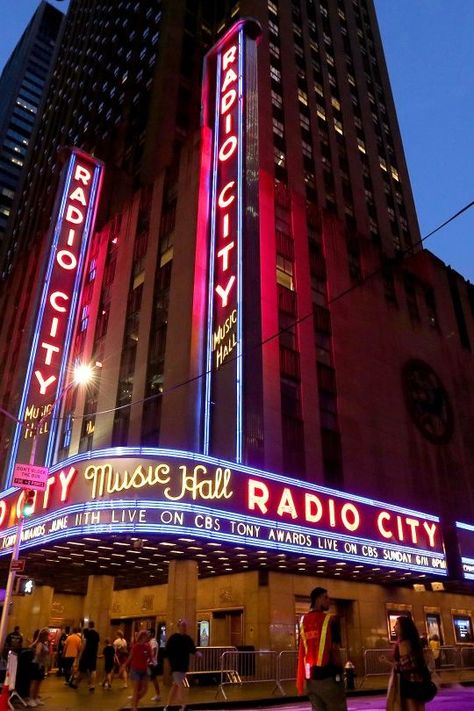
(171, 494)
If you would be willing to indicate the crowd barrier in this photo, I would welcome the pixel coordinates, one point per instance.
(467, 657)
(378, 662)
(249, 668)
(207, 662)
(227, 666)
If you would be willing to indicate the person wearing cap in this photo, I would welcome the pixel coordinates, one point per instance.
(319, 660)
(178, 652)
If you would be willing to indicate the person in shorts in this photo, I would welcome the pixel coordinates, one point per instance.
(88, 657)
(121, 654)
(155, 667)
(71, 651)
(109, 662)
(40, 648)
(178, 651)
(138, 663)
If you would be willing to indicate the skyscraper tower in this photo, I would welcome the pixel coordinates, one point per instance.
(22, 85)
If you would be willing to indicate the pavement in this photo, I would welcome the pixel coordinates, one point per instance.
(58, 697)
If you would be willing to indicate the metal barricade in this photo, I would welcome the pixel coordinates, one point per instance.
(288, 662)
(377, 662)
(467, 657)
(248, 668)
(207, 660)
(450, 658)
(287, 665)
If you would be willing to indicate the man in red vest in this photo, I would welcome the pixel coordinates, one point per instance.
(319, 660)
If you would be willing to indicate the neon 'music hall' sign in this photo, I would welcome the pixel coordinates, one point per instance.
(72, 225)
(229, 98)
(172, 493)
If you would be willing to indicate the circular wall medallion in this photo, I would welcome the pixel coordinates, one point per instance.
(427, 401)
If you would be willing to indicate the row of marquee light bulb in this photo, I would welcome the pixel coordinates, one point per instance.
(208, 562)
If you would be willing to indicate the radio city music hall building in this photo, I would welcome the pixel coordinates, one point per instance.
(209, 191)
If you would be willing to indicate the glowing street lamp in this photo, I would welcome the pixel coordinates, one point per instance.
(82, 375)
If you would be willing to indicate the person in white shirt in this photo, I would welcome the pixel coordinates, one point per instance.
(121, 652)
(154, 666)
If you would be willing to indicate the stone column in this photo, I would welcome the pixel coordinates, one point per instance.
(98, 602)
(32, 612)
(181, 598)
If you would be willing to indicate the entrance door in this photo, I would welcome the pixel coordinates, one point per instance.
(342, 608)
(227, 628)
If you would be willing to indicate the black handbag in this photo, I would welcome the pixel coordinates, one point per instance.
(424, 690)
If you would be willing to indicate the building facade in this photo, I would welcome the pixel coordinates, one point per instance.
(23, 83)
(285, 381)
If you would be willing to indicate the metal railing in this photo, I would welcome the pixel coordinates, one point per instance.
(231, 667)
(467, 657)
(249, 668)
(378, 662)
(207, 660)
(287, 664)
(450, 658)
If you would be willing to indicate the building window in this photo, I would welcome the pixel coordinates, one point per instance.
(411, 298)
(275, 74)
(284, 272)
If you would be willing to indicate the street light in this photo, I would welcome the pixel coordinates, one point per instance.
(82, 375)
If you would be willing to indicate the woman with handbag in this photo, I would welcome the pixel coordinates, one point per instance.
(416, 687)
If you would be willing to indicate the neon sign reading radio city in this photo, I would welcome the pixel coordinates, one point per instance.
(225, 276)
(58, 300)
(230, 71)
(72, 225)
(176, 493)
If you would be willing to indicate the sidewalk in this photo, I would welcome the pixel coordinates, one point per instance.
(58, 697)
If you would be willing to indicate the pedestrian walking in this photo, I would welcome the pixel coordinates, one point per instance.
(88, 657)
(416, 686)
(121, 653)
(155, 669)
(108, 653)
(61, 641)
(138, 662)
(71, 649)
(319, 660)
(178, 652)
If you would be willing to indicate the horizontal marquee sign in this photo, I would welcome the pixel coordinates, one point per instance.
(168, 492)
(465, 535)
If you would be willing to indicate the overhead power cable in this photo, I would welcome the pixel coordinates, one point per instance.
(394, 263)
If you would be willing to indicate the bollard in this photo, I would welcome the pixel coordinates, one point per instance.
(349, 675)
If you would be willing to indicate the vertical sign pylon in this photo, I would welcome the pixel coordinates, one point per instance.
(72, 225)
(224, 111)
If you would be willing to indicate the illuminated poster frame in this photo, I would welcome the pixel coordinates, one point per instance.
(462, 626)
(72, 224)
(160, 492)
(465, 535)
(229, 94)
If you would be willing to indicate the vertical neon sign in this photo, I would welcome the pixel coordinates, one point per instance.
(72, 225)
(224, 111)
